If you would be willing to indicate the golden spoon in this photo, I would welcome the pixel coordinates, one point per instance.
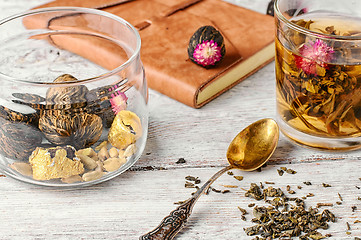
(249, 150)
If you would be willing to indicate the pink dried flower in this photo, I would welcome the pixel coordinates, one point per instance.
(207, 53)
(118, 101)
(313, 54)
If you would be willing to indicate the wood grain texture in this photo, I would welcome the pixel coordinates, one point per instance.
(135, 202)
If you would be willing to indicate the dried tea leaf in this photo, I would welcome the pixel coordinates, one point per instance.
(180, 160)
(291, 171)
(230, 186)
(243, 211)
(290, 222)
(254, 192)
(239, 178)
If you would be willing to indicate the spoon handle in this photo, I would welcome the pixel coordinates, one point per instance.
(175, 221)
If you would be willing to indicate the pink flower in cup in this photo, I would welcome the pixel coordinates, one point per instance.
(313, 54)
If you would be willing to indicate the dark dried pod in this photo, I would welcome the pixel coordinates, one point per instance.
(206, 47)
(14, 116)
(64, 96)
(18, 140)
(29, 98)
(79, 129)
(99, 104)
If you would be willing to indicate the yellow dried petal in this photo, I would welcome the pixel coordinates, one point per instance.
(46, 168)
(125, 130)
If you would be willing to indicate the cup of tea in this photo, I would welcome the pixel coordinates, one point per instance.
(318, 72)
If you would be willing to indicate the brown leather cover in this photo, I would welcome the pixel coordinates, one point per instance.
(165, 27)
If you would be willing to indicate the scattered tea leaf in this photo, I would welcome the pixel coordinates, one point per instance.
(180, 160)
(189, 185)
(326, 185)
(318, 205)
(230, 186)
(239, 178)
(307, 183)
(266, 182)
(215, 190)
(340, 197)
(230, 173)
(180, 202)
(255, 192)
(280, 172)
(354, 208)
(243, 211)
(190, 178)
(348, 226)
(291, 171)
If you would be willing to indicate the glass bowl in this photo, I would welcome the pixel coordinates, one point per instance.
(73, 105)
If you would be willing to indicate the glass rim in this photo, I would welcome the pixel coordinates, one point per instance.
(107, 73)
(306, 31)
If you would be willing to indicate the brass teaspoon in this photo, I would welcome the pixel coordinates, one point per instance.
(249, 150)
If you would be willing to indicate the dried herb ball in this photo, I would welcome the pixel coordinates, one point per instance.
(18, 139)
(79, 129)
(206, 47)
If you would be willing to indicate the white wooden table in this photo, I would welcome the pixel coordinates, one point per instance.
(135, 202)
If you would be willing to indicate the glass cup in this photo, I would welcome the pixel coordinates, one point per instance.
(318, 72)
(73, 105)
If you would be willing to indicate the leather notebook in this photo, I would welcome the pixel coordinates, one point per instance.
(165, 28)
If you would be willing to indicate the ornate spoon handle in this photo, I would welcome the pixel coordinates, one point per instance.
(174, 222)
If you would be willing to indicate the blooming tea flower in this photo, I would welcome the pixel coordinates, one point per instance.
(207, 53)
(313, 54)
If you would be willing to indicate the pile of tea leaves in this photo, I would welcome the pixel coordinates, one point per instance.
(285, 217)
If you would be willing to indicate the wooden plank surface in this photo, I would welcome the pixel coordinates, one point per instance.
(135, 202)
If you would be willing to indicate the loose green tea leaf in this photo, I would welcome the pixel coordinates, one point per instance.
(294, 220)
